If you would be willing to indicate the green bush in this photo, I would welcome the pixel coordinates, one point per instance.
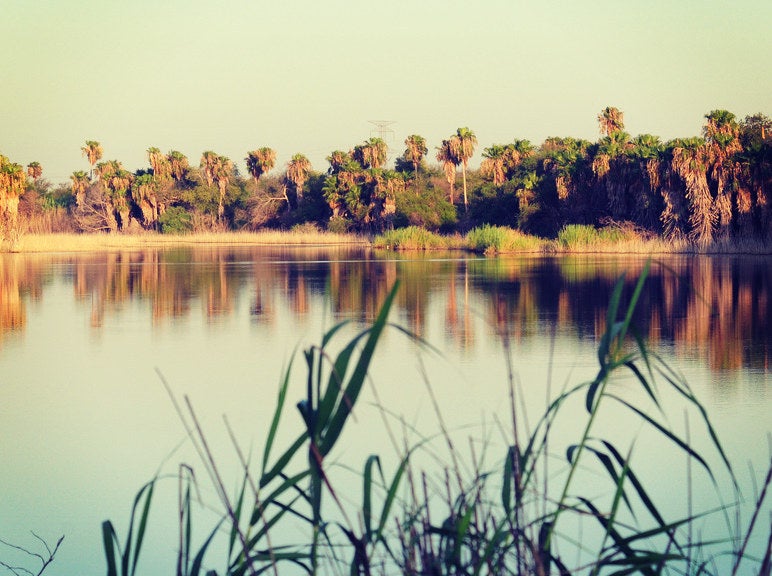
(176, 220)
(339, 225)
(426, 207)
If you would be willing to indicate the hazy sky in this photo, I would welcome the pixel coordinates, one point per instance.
(308, 75)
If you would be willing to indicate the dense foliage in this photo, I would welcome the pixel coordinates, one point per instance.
(705, 188)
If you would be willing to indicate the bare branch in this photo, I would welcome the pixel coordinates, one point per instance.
(18, 570)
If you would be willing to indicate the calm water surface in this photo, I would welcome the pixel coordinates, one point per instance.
(85, 419)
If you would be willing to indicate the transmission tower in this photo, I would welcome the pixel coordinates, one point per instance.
(382, 129)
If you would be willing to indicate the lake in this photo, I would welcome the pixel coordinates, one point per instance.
(85, 340)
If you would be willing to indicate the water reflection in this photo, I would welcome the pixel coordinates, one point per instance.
(715, 309)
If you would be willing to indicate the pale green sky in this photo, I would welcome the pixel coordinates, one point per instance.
(308, 75)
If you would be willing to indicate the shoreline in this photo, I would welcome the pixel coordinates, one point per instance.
(101, 242)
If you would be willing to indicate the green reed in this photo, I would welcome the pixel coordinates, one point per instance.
(413, 238)
(515, 515)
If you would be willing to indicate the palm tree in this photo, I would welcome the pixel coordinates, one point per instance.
(207, 164)
(79, 185)
(611, 120)
(116, 182)
(143, 192)
(689, 162)
(415, 151)
(160, 164)
(338, 159)
(754, 202)
(260, 161)
(221, 172)
(465, 143)
(722, 143)
(93, 153)
(12, 180)
(646, 156)
(34, 170)
(445, 154)
(178, 164)
(492, 165)
(514, 154)
(297, 173)
(371, 154)
(611, 152)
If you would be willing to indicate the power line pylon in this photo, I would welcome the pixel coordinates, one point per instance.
(382, 129)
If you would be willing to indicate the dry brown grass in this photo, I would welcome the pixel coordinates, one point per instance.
(29, 243)
(100, 242)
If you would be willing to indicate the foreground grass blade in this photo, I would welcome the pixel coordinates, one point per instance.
(111, 543)
(333, 429)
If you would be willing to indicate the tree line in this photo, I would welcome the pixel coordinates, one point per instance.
(701, 188)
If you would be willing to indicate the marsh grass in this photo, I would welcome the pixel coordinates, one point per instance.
(496, 511)
(499, 239)
(101, 242)
(415, 238)
(490, 240)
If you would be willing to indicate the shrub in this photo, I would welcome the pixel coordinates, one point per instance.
(426, 207)
(175, 220)
(339, 225)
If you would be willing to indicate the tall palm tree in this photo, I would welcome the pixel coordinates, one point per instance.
(371, 154)
(178, 164)
(221, 172)
(446, 155)
(79, 185)
(297, 173)
(492, 165)
(646, 155)
(338, 159)
(514, 154)
(611, 153)
(116, 182)
(160, 164)
(415, 150)
(611, 120)
(143, 192)
(93, 153)
(464, 144)
(756, 174)
(208, 164)
(12, 181)
(34, 170)
(260, 161)
(722, 144)
(689, 162)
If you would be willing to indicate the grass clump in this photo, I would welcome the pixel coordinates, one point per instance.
(615, 237)
(577, 236)
(411, 238)
(303, 236)
(500, 239)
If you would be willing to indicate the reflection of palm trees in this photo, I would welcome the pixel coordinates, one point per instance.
(219, 301)
(462, 334)
(12, 312)
(711, 308)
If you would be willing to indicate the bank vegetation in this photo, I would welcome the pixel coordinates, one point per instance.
(622, 193)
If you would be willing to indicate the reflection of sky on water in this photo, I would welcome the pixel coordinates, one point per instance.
(85, 420)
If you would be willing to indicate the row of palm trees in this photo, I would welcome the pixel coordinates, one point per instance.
(707, 187)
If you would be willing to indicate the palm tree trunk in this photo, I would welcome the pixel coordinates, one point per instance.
(463, 177)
